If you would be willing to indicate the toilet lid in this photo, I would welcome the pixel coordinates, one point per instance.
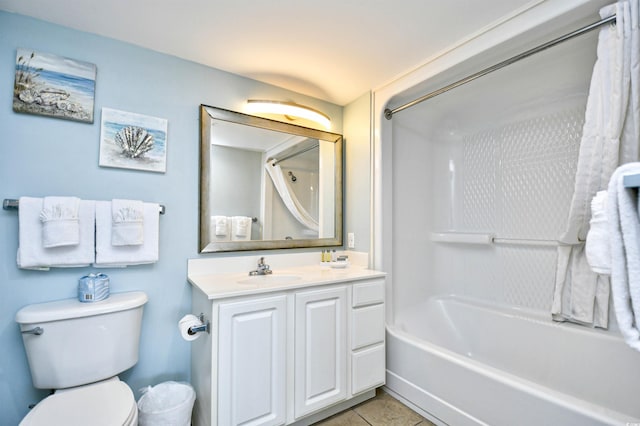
(106, 403)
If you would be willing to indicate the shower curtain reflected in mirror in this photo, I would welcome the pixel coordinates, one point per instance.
(288, 196)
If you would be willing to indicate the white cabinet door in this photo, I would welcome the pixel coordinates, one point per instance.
(252, 362)
(320, 349)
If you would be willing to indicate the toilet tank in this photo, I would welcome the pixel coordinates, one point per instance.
(81, 342)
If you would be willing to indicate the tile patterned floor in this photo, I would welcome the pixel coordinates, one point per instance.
(383, 410)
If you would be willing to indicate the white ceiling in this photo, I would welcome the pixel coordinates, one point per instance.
(334, 50)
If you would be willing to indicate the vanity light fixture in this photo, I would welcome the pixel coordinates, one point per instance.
(290, 110)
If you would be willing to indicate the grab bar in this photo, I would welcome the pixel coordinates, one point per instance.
(461, 237)
(487, 238)
(526, 242)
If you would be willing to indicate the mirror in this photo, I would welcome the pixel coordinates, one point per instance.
(265, 184)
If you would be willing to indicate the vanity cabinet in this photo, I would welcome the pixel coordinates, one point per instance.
(291, 356)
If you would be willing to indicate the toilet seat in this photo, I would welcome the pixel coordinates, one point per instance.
(105, 403)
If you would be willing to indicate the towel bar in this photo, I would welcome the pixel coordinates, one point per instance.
(13, 204)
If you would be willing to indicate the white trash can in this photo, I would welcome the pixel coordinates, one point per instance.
(166, 404)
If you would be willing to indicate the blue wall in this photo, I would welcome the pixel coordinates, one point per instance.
(44, 156)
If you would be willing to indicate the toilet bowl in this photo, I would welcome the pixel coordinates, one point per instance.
(107, 403)
(78, 349)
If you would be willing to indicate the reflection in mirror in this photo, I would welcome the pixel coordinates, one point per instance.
(265, 184)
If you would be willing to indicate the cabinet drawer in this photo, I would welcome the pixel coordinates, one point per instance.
(367, 369)
(367, 326)
(368, 292)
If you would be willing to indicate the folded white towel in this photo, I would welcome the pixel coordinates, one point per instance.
(221, 225)
(241, 226)
(128, 222)
(110, 256)
(597, 248)
(60, 225)
(31, 252)
(219, 229)
(624, 231)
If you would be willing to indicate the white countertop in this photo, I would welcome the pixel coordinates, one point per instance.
(219, 286)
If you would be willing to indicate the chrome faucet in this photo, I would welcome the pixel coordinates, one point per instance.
(263, 268)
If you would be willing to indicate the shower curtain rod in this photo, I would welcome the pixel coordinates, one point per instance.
(276, 161)
(388, 113)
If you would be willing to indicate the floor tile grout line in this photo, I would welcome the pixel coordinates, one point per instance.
(365, 420)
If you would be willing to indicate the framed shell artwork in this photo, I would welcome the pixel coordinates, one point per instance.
(133, 141)
(50, 85)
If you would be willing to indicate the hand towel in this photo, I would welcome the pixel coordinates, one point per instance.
(241, 228)
(219, 228)
(60, 225)
(127, 222)
(221, 225)
(110, 256)
(624, 230)
(597, 247)
(33, 255)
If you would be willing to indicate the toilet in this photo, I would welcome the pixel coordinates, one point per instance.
(78, 349)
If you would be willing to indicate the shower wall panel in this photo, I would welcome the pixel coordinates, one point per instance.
(517, 178)
(496, 156)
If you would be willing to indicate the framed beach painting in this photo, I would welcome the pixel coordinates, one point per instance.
(50, 85)
(133, 141)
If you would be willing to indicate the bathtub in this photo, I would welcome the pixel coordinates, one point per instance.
(467, 362)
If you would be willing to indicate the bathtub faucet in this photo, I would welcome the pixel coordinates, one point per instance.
(263, 268)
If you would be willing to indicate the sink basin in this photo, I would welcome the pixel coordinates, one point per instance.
(270, 279)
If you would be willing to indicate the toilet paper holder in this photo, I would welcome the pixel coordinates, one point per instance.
(200, 328)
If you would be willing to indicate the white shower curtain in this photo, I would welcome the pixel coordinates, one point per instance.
(288, 197)
(610, 137)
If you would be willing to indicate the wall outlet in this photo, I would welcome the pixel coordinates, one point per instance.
(351, 240)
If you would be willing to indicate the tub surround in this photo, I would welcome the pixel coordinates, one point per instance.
(290, 351)
(496, 160)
